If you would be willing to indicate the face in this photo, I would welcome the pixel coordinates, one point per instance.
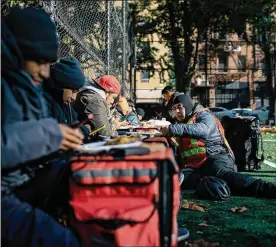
(110, 97)
(68, 95)
(166, 97)
(38, 71)
(179, 112)
(140, 117)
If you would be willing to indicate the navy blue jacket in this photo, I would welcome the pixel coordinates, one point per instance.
(204, 128)
(63, 113)
(26, 133)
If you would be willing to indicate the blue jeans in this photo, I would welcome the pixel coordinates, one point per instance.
(24, 223)
(223, 167)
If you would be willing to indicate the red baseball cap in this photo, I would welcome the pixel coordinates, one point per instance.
(109, 83)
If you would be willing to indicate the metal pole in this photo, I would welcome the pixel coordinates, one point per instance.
(134, 72)
(124, 3)
(107, 9)
(206, 69)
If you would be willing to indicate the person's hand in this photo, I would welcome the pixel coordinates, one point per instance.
(72, 138)
(119, 123)
(165, 130)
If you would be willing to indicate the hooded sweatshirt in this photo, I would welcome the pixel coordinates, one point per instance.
(92, 99)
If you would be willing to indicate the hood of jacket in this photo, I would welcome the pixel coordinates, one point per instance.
(11, 56)
(92, 86)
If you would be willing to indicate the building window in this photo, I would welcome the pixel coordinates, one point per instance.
(145, 76)
(242, 63)
(222, 63)
(201, 62)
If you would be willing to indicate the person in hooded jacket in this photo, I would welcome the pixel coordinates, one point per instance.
(96, 98)
(205, 151)
(27, 134)
(169, 95)
(66, 78)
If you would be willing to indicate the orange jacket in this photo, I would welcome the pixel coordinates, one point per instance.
(194, 151)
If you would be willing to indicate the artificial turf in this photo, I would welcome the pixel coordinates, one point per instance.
(254, 227)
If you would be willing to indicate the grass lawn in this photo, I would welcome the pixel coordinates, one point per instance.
(254, 227)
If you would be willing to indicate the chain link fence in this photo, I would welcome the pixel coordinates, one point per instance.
(94, 32)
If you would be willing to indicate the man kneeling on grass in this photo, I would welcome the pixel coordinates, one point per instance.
(205, 151)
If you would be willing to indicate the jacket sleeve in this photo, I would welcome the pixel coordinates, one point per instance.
(99, 111)
(201, 129)
(28, 140)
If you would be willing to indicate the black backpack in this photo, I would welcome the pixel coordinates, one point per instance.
(244, 136)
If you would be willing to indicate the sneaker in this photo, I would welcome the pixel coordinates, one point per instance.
(183, 234)
(181, 178)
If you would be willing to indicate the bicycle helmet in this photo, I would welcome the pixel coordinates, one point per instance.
(212, 188)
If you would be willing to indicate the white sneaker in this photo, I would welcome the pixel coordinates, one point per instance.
(183, 234)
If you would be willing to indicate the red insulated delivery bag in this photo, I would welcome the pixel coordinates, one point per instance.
(125, 201)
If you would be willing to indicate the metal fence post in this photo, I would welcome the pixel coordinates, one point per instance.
(124, 2)
(107, 9)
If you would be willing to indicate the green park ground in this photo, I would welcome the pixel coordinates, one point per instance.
(254, 227)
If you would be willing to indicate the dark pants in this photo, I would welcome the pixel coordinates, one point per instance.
(23, 221)
(223, 167)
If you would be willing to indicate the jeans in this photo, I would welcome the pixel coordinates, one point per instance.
(25, 212)
(222, 166)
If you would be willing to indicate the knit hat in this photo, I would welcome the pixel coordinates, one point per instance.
(186, 101)
(123, 104)
(109, 83)
(140, 112)
(35, 33)
(67, 73)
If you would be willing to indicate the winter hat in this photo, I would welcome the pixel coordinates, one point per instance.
(140, 112)
(186, 101)
(35, 33)
(67, 73)
(123, 104)
(109, 83)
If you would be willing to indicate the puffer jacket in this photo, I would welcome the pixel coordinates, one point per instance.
(91, 99)
(26, 132)
(204, 128)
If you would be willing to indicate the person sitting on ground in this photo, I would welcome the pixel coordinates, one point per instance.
(27, 50)
(140, 113)
(66, 78)
(96, 98)
(205, 151)
(169, 95)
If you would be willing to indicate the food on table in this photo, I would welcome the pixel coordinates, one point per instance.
(149, 131)
(123, 140)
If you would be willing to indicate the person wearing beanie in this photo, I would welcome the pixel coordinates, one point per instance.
(66, 78)
(204, 150)
(140, 113)
(96, 97)
(28, 136)
(169, 95)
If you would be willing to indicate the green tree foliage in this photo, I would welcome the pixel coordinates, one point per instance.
(183, 24)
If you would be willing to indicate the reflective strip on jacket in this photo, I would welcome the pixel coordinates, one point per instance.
(194, 151)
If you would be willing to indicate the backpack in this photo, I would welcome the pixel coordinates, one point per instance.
(125, 200)
(244, 136)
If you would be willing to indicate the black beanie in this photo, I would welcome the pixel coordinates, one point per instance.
(35, 33)
(140, 112)
(186, 101)
(67, 73)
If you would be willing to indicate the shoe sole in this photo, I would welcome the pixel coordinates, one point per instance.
(183, 237)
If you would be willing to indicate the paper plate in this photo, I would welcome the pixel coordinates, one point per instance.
(99, 146)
